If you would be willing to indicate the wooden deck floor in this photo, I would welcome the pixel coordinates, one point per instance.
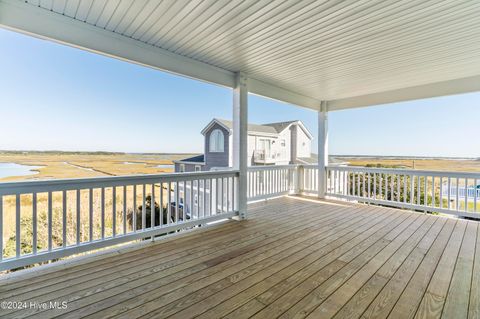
(293, 258)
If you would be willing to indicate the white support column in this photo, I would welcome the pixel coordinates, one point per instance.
(322, 148)
(240, 139)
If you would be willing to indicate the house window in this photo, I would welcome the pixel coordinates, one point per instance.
(198, 168)
(265, 146)
(216, 141)
(282, 143)
(182, 168)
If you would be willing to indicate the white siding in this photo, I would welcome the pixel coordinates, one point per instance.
(284, 152)
(252, 143)
(304, 144)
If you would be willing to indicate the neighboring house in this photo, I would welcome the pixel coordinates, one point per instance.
(268, 144)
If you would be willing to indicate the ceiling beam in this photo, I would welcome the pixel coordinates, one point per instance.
(457, 86)
(35, 21)
(267, 90)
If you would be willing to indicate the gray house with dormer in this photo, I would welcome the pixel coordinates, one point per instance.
(268, 144)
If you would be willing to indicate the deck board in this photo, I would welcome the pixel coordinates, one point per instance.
(293, 258)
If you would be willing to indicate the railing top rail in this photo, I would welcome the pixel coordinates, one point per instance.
(272, 167)
(11, 188)
(402, 171)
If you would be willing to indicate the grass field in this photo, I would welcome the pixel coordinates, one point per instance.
(78, 165)
(452, 165)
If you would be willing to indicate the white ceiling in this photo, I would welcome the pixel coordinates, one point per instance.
(323, 50)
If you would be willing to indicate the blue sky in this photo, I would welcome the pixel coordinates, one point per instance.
(54, 97)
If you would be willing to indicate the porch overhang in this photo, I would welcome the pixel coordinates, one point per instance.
(350, 54)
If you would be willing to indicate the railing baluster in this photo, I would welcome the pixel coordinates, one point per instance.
(160, 204)
(216, 197)
(466, 194)
(433, 192)
(197, 182)
(234, 198)
(363, 185)
(204, 189)
(412, 189)
(228, 194)
(144, 207)
(449, 189)
(114, 213)
(190, 201)
(17, 226)
(398, 180)
(102, 212)
(210, 196)
(386, 186)
(134, 213)
(169, 203)
(222, 196)
(369, 191)
(425, 190)
(64, 219)
(457, 195)
(152, 208)
(441, 191)
(418, 189)
(353, 191)
(124, 209)
(380, 184)
(177, 203)
(476, 192)
(392, 181)
(90, 214)
(358, 184)
(34, 225)
(49, 221)
(78, 207)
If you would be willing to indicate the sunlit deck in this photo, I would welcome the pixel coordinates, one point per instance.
(293, 258)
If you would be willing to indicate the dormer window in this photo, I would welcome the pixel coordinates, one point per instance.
(216, 141)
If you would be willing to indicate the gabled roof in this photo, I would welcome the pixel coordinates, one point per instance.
(281, 126)
(267, 129)
(200, 159)
(252, 128)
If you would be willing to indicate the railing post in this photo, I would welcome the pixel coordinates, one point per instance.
(240, 150)
(322, 148)
(300, 171)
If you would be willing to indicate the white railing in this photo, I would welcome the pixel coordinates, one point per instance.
(45, 220)
(271, 181)
(262, 156)
(432, 191)
(308, 179)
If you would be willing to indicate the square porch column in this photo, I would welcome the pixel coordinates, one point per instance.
(322, 149)
(240, 139)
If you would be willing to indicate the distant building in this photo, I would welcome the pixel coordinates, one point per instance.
(268, 144)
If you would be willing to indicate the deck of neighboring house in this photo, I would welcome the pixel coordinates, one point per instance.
(293, 258)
